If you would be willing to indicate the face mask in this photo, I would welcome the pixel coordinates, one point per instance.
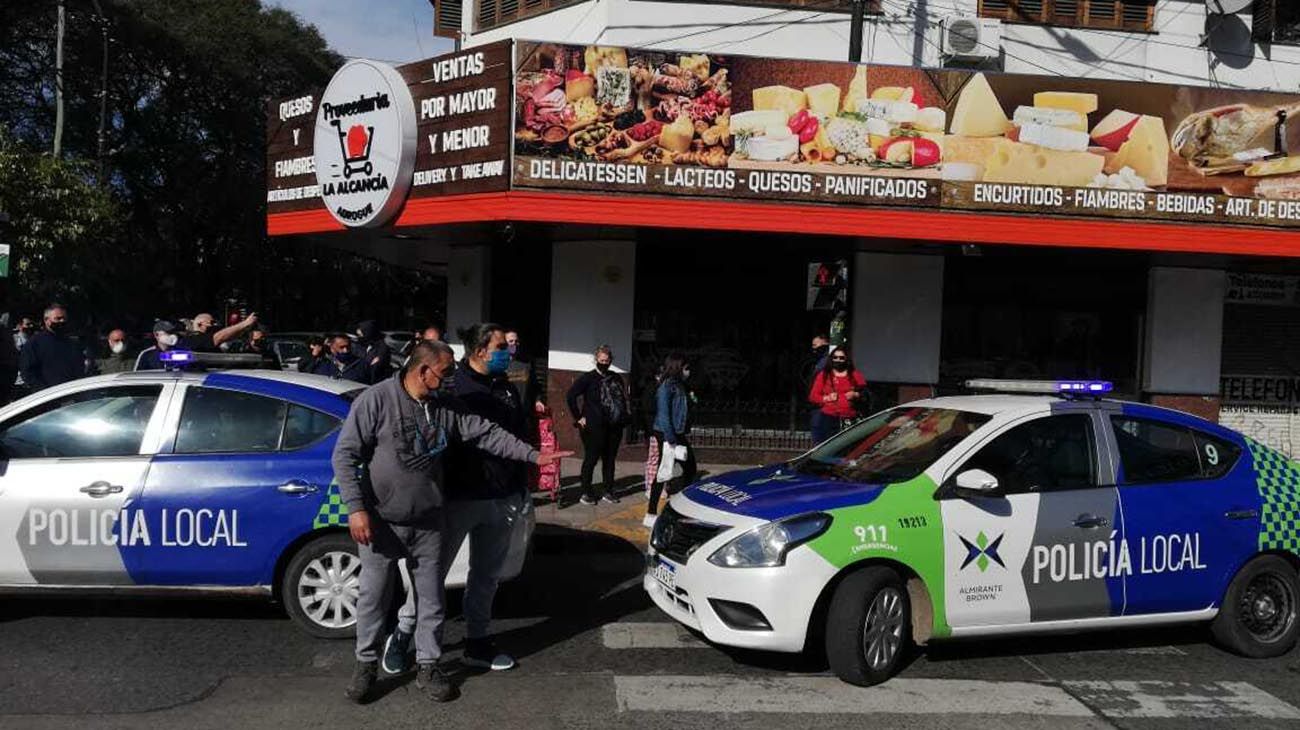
(686, 372)
(603, 367)
(58, 328)
(498, 362)
(117, 347)
(512, 348)
(168, 339)
(840, 366)
(345, 356)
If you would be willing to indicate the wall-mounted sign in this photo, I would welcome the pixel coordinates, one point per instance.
(455, 116)
(364, 144)
(615, 119)
(1263, 289)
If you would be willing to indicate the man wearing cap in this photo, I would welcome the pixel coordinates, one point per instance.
(165, 338)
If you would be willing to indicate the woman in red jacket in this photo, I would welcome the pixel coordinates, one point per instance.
(836, 390)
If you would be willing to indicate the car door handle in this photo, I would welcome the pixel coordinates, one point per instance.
(100, 489)
(1241, 514)
(1090, 522)
(296, 486)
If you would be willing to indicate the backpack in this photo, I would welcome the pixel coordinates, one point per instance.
(613, 400)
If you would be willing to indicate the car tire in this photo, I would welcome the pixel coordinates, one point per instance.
(320, 586)
(869, 627)
(1258, 618)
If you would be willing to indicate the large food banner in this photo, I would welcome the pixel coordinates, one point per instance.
(627, 121)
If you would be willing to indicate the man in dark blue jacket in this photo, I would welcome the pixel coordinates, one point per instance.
(51, 357)
(346, 365)
(486, 496)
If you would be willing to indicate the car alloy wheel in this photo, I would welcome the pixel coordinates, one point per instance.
(882, 634)
(1268, 607)
(328, 588)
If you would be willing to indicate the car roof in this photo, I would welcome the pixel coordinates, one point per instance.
(991, 405)
(304, 380)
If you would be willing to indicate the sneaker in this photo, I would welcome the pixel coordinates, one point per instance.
(433, 681)
(363, 680)
(397, 653)
(483, 654)
(610, 499)
(649, 520)
(587, 499)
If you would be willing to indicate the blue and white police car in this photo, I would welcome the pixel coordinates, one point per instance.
(989, 515)
(213, 483)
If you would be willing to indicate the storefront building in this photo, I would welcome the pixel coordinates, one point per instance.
(960, 224)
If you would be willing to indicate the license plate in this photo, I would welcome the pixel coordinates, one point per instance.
(664, 572)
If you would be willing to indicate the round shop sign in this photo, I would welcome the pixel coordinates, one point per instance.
(365, 144)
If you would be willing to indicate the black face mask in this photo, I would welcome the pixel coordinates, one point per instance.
(602, 367)
(58, 328)
(840, 367)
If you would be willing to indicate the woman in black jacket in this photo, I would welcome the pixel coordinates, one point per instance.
(598, 403)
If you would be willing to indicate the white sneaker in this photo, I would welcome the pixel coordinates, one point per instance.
(649, 520)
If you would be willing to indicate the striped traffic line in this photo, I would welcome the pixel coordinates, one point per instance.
(905, 696)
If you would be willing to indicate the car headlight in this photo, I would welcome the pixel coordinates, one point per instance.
(766, 546)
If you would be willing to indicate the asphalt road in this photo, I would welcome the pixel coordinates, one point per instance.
(594, 653)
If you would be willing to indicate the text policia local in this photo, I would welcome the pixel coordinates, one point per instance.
(1113, 558)
(130, 528)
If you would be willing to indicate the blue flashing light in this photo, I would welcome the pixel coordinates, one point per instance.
(1086, 387)
(176, 357)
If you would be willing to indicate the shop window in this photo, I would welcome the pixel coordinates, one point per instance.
(495, 13)
(1137, 15)
(1275, 21)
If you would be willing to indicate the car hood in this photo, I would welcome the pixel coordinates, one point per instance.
(773, 492)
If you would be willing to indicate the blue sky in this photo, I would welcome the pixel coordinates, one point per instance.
(384, 30)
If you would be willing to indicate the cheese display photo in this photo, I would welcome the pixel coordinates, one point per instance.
(622, 120)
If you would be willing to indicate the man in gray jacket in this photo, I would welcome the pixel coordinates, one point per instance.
(389, 465)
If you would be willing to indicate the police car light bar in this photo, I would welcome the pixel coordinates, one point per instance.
(1044, 387)
(187, 359)
(176, 357)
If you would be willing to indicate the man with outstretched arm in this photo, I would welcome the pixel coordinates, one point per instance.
(389, 465)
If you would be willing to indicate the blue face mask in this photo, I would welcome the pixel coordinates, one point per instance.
(498, 362)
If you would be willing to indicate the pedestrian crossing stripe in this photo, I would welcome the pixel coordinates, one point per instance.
(1278, 480)
(332, 512)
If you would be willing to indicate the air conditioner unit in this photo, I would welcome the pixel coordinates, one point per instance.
(972, 38)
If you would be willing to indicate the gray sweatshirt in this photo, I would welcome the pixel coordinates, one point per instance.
(389, 455)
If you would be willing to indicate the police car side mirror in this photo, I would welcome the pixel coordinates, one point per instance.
(976, 483)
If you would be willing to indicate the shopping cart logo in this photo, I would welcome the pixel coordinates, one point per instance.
(365, 143)
(355, 145)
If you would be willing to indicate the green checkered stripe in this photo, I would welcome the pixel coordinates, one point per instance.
(332, 512)
(1278, 479)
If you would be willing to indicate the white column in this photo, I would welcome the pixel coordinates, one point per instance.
(467, 290)
(897, 317)
(592, 287)
(1184, 331)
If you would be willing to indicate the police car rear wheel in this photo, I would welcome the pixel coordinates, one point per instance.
(321, 586)
(1259, 614)
(868, 627)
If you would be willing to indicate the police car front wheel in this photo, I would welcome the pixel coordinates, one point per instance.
(868, 626)
(1259, 614)
(320, 587)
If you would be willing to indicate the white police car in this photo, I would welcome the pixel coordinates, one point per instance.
(988, 515)
(202, 483)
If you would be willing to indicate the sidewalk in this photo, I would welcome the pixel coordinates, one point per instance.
(622, 520)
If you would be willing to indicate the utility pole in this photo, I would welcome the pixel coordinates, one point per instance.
(103, 91)
(58, 83)
(856, 18)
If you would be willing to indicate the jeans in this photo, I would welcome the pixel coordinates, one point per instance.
(676, 484)
(824, 426)
(489, 524)
(421, 547)
(599, 443)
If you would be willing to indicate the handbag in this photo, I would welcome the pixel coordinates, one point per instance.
(670, 466)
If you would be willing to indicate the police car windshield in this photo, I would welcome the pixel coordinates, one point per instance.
(893, 446)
